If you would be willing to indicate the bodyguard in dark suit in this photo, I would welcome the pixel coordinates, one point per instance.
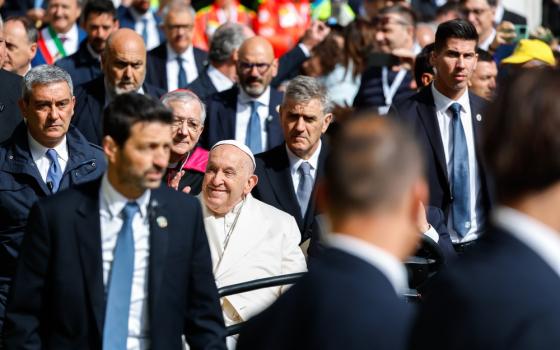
(247, 113)
(142, 19)
(10, 92)
(289, 173)
(124, 66)
(175, 63)
(504, 293)
(42, 156)
(120, 261)
(457, 179)
(351, 296)
(100, 20)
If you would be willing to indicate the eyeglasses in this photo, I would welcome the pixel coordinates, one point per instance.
(192, 125)
(247, 67)
(177, 27)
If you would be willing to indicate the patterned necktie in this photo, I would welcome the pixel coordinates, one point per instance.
(145, 30)
(305, 187)
(115, 330)
(54, 175)
(182, 79)
(253, 137)
(460, 191)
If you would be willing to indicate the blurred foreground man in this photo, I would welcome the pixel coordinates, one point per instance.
(118, 263)
(505, 294)
(351, 297)
(248, 239)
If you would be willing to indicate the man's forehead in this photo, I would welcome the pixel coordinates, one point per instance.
(298, 106)
(460, 45)
(392, 19)
(476, 4)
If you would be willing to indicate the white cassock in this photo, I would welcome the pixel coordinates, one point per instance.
(264, 242)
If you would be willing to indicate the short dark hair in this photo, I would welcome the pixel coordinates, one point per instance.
(491, 3)
(373, 161)
(456, 29)
(99, 7)
(131, 108)
(30, 30)
(484, 56)
(520, 139)
(422, 64)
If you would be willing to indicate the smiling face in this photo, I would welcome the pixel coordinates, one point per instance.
(228, 179)
(303, 124)
(48, 112)
(187, 127)
(63, 14)
(454, 65)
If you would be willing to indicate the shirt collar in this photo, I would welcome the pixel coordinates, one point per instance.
(263, 99)
(443, 102)
(542, 239)
(389, 265)
(486, 43)
(138, 16)
(188, 55)
(219, 79)
(296, 161)
(38, 151)
(93, 53)
(115, 202)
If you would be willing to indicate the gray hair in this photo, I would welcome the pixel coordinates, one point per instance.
(176, 6)
(185, 96)
(226, 39)
(304, 89)
(44, 74)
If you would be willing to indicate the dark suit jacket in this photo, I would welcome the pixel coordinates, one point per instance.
(203, 86)
(126, 20)
(10, 93)
(275, 187)
(289, 66)
(501, 295)
(156, 71)
(221, 116)
(420, 114)
(437, 219)
(81, 66)
(342, 303)
(370, 92)
(514, 17)
(90, 102)
(58, 298)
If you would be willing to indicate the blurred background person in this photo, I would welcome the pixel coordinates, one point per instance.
(423, 69)
(483, 79)
(141, 18)
(21, 44)
(187, 161)
(529, 53)
(99, 20)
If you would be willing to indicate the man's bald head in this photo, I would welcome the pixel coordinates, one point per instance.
(124, 61)
(256, 65)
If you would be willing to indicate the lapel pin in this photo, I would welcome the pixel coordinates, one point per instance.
(277, 109)
(161, 221)
(478, 117)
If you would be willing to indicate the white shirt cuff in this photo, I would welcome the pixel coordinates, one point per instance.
(432, 233)
(305, 50)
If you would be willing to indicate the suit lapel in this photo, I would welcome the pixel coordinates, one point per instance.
(159, 236)
(161, 66)
(427, 112)
(228, 114)
(280, 178)
(274, 129)
(310, 213)
(88, 229)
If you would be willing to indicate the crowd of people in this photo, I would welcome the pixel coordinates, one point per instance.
(151, 154)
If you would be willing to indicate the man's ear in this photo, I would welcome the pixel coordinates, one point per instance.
(110, 148)
(251, 183)
(326, 122)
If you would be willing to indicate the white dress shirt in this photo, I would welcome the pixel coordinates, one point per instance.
(389, 265)
(153, 33)
(295, 163)
(39, 155)
(444, 118)
(172, 67)
(70, 42)
(244, 115)
(485, 45)
(220, 81)
(542, 239)
(110, 207)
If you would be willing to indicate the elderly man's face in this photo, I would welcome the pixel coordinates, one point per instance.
(228, 178)
(178, 30)
(480, 14)
(63, 14)
(125, 66)
(303, 124)
(19, 51)
(48, 112)
(256, 66)
(187, 126)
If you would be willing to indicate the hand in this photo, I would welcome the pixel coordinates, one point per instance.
(407, 58)
(421, 219)
(176, 179)
(36, 15)
(187, 189)
(316, 33)
(505, 34)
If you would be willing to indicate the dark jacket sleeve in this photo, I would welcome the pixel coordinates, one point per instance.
(289, 65)
(436, 218)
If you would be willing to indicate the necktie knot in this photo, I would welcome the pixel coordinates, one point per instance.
(305, 168)
(129, 210)
(254, 105)
(455, 109)
(52, 155)
(54, 174)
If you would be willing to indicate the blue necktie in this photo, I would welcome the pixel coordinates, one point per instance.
(115, 330)
(54, 175)
(253, 137)
(460, 175)
(182, 81)
(145, 30)
(305, 187)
